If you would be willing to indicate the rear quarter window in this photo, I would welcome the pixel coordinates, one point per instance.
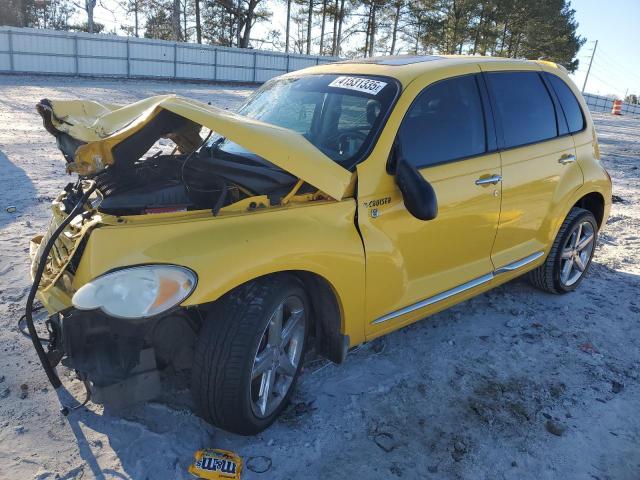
(523, 106)
(570, 106)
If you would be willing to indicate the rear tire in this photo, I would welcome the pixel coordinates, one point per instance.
(570, 255)
(241, 351)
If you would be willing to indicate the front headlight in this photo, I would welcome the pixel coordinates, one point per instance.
(137, 292)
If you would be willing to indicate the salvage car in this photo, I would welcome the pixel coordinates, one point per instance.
(338, 204)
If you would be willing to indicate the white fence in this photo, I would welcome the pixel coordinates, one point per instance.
(598, 103)
(28, 50)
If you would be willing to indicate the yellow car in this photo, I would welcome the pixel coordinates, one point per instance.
(338, 204)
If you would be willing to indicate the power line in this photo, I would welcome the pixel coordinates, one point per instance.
(613, 62)
(606, 83)
(613, 76)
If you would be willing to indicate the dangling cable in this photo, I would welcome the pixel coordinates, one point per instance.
(46, 365)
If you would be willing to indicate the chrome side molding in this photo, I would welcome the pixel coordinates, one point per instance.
(436, 298)
(510, 267)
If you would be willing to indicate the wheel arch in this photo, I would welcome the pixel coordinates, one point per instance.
(327, 313)
(593, 202)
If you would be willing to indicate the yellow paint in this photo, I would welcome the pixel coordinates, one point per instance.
(398, 260)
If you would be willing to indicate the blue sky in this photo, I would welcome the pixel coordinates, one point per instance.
(616, 26)
(614, 23)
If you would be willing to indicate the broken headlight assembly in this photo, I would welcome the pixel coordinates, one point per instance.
(137, 292)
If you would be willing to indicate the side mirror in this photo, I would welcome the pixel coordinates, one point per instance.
(418, 194)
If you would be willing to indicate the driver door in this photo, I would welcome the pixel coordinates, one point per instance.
(415, 267)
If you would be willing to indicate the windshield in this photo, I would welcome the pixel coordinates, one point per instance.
(341, 115)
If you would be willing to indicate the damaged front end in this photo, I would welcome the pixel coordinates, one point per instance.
(241, 166)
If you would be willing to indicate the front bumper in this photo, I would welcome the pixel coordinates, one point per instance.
(121, 358)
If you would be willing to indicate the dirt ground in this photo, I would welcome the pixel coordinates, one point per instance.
(514, 384)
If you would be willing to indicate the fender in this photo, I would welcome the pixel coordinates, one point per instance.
(225, 252)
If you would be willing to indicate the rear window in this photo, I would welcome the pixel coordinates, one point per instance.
(569, 103)
(444, 123)
(524, 107)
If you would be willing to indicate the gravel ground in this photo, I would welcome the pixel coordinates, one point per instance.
(514, 384)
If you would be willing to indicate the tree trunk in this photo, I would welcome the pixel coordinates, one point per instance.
(335, 29)
(504, 37)
(324, 18)
(394, 34)
(340, 21)
(136, 12)
(247, 23)
(198, 22)
(184, 21)
(309, 20)
(286, 48)
(175, 20)
(89, 6)
(368, 34)
(478, 28)
(372, 30)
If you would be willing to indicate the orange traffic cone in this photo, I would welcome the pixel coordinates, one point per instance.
(617, 107)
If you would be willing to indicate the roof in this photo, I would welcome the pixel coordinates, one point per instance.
(406, 68)
(395, 59)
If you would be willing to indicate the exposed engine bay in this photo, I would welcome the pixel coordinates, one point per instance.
(198, 174)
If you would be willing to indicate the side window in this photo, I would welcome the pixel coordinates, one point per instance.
(569, 103)
(523, 106)
(444, 123)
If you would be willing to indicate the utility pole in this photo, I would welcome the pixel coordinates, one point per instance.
(593, 53)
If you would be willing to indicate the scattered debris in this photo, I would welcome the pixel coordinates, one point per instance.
(379, 345)
(617, 199)
(385, 441)
(260, 464)
(20, 429)
(5, 393)
(396, 469)
(216, 464)
(297, 410)
(616, 387)
(24, 391)
(555, 428)
(459, 450)
(588, 347)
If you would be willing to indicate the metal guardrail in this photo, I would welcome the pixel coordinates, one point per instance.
(28, 50)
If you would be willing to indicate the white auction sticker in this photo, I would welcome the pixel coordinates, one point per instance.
(365, 85)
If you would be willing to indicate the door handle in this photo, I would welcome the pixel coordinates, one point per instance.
(493, 179)
(564, 159)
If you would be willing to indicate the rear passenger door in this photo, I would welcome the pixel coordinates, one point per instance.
(539, 169)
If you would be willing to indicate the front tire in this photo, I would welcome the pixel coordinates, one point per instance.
(570, 255)
(249, 354)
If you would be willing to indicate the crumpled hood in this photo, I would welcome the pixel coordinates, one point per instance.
(93, 131)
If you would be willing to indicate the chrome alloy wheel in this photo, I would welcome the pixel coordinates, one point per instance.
(278, 356)
(577, 253)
